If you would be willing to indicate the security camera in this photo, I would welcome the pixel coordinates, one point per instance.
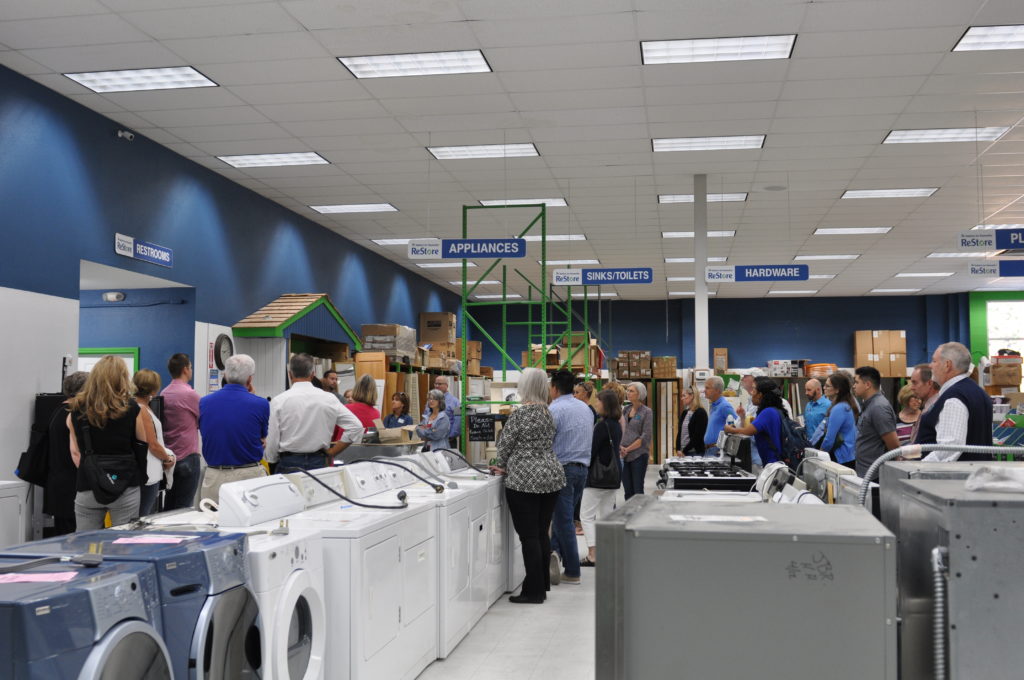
(126, 134)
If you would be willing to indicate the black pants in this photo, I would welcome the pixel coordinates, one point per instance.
(531, 517)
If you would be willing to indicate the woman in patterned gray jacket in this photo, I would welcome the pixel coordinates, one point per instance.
(533, 478)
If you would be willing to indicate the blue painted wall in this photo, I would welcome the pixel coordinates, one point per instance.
(68, 184)
(159, 321)
(756, 330)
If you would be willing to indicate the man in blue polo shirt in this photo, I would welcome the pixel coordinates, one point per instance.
(720, 411)
(233, 424)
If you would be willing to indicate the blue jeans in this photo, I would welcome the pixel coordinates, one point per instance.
(293, 462)
(182, 493)
(633, 473)
(147, 500)
(563, 531)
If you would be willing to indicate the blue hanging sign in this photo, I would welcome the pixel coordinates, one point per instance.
(997, 268)
(458, 248)
(614, 277)
(129, 246)
(991, 239)
(757, 272)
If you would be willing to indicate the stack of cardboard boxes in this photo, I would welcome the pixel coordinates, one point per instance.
(474, 352)
(721, 360)
(396, 341)
(1004, 375)
(581, 352)
(663, 368)
(885, 350)
(437, 333)
(534, 358)
(634, 365)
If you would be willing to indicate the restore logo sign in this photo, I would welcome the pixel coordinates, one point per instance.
(425, 249)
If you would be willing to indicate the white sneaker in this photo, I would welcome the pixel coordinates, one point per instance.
(555, 569)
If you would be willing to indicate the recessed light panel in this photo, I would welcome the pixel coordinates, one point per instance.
(549, 202)
(979, 227)
(991, 38)
(792, 292)
(416, 64)
(267, 160)
(498, 296)
(354, 208)
(392, 241)
(717, 49)
(895, 290)
(851, 231)
(808, 258)
(445, 153)
(685, 260)
(924, 192)
(594, 295)
(442, 265)
(473, 283)
(922, 275)
(556, 237)
(569, 263)
(712, 198)
(680, 278)
(688, 292)
(729, 233)
(708, 143)
(825, 277)
(174, 78)
(977, 255)
(985, 134)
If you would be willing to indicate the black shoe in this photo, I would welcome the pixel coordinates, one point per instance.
(522, 599)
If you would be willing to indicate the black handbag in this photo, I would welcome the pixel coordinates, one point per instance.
(108, 476)
(601, 476)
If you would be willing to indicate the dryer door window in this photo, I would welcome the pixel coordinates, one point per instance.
(226, 643)
(130, 650)
(297, 633)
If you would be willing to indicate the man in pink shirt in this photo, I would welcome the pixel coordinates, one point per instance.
(181, 432)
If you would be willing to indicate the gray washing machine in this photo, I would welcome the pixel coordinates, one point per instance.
(62, 620)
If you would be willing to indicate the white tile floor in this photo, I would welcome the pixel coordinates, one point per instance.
(523, 642)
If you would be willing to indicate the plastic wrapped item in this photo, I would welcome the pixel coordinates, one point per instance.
(1001, 479)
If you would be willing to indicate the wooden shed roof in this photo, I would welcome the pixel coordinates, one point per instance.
(282, 310)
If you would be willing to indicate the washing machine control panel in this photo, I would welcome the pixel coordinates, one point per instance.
(313, 491)
(272, 557)
(368, 479)
(225, 564)
(114, 599)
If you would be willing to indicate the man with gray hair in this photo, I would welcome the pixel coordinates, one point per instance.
(302, 420)
(719, 412)
(233, 423)
(962, 412)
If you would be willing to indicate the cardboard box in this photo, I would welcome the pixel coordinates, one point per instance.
(487, 372)
(897, 342)
(437, 327)
(867, 359)
(880, 343)
(897, 365)
(863, 343)
(374, 364)
(721, 360)
(1006, 375)
(474, 348)
(644, 373)
(882, 364)
(396, 435)
(644, 355)
(472, 367)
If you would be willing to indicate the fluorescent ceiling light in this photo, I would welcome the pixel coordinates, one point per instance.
(728, 233)
(977, 255)
(569, 263)
(594, 295)
(717, 49)
(991, 38)
(549, 202)
(557, 237)
(174, 78)
(442, 265)
(997, 226)
(822, 276)
(712, 198)
(996, 289)
(444, 153)
(850, 231)
(798, 258)
(473, 283)
(680, 278)
(985, 134)
(417, 64)
(688, 292)
(499, 296)
(354, 208)
(708, 143)
(266, 160)
(890, 193)
(392, 241)
(895, 290)
(792, 292)
(922, 275)
(685, 260)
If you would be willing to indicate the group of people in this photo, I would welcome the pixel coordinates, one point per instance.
(558, 451)
(848, 416)
(110, 453)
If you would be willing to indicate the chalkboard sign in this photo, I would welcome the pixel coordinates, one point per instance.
(481, 427)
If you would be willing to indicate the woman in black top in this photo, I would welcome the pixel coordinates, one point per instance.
(105, 421)
(693, 423)
(603, 478)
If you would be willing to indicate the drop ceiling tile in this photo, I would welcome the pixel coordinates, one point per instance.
(229, 115)
(590, 55)
(840, 42)
(340, 111)
(579, 99)
(96, 102)
(465, 104)
(554, 30)
(105, 57)
(286, 72)
(316, 14)
(12, 11)
(228, 133)
(357, 126)
(234, 48)
(462, 122)
(93, 29)
(455, 85)
(220, 20)
(300, 92)
(167, 100)
(17, 61)
(398, 38)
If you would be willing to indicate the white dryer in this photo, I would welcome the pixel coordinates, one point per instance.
(382, 567)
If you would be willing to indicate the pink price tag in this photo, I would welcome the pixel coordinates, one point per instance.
(45, 577)
(158, 539)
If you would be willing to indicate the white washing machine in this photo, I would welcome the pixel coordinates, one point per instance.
(13, 512)
(284, 572)
(382, 570)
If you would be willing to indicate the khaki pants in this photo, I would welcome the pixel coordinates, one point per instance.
(213, 479)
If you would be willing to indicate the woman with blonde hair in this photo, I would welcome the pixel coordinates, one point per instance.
(160, 458)
(106, 426)
(908, 415)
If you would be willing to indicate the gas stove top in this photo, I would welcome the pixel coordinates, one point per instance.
(710, 474)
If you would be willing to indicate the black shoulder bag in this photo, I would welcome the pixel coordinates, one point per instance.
(108, 476)
(601, 476)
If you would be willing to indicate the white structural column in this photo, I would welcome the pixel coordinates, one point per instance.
(700, 262)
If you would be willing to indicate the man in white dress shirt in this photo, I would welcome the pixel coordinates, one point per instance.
(302, 422)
